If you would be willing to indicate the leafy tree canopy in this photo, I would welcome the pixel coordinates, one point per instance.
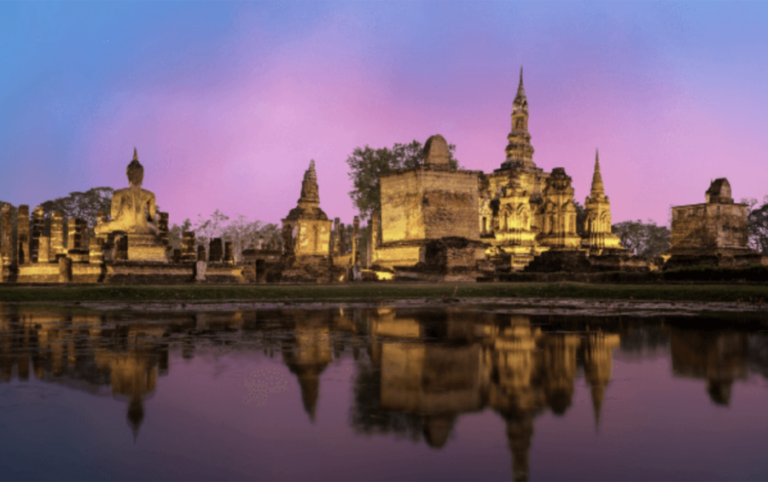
(757, 223)
(646, 240)
(368, 165)
(83, 205)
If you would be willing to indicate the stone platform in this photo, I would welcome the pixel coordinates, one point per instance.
(145, 248)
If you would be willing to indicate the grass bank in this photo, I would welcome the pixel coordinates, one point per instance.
(380, 291)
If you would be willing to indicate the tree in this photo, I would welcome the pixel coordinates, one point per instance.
(272, 235)
(174, 233)
(84, 205)
(367, 166)
(646, 240)
(207, 229)
(241, 233)
(757, 224)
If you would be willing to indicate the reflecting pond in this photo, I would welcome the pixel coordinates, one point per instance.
(454, 393)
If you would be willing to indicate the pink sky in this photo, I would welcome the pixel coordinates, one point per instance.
(229, 119)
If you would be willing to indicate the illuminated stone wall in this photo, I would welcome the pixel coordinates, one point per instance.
(717, 226)
(429, 204)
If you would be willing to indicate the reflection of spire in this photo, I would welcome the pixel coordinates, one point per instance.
(309, 380)
(135, 416)
(598, 191)
(598, 392)
(720, 391)
(598, 367)
(519, 434)
(306, 355)
(437, 429)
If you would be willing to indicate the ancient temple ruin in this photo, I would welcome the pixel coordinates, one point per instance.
(712, 233)
(133, 213)
(437, 223)
(307, 235)
(130, 245)
(525, 212)
(429, 216)
(597, 220)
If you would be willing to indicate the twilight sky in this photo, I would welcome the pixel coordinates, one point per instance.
(227, 102)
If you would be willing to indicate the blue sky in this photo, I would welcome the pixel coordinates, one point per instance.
(227, 102)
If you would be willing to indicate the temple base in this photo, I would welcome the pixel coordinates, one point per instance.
(146, 248)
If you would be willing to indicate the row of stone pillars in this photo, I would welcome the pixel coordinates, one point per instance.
(31, 245)
(73, 243)
(218, 251)
(372, 243)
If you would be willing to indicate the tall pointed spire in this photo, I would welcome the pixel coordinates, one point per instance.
(519, 150)
(135, 154)
(598, 191)
(310, 193)
(311, 174)
(520, 87)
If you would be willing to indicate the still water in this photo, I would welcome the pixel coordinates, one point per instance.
(457, 393)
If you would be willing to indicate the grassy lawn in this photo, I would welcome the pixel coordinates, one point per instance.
(378, 291)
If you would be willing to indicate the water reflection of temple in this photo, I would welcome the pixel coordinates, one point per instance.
(718, 357)
(437, 366)
(93, 353)
(417, 371)
(307, 352)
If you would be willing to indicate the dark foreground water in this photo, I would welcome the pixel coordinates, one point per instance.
(378, 394)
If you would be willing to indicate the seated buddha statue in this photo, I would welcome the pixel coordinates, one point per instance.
(133, 208)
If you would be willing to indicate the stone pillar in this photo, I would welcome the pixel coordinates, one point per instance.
(38, 224)
(342, 239)
(22, 251)
(217, 251)
(368, 248)
(374, 235)
(162, 228)
(70, 234)
(44, 250)
(57, 234)
(6, 235)
(200, 268)
(356, 241)
(96, 250)
(188, 254)
(287, 236)
(229, 253)
(121, 248)
(78, 234)
(65, 270)
(336, 237)
(201, 253)
(78, 240)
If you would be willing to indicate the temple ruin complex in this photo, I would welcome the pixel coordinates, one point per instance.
(437, 223)
(428, 219)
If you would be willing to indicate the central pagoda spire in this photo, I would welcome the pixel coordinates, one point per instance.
(519, 150)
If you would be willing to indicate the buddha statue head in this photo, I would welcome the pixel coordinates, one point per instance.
(135, 171)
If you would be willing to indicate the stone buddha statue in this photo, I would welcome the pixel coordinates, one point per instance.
(133, 208)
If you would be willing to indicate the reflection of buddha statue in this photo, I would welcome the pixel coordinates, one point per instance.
(133, 208)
